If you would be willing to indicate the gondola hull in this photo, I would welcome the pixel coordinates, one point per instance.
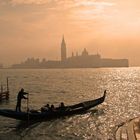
(37, 116)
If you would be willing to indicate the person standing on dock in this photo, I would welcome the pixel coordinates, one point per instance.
(20, 96)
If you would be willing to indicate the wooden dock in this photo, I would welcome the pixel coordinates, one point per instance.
(129, 130)
(4, 94)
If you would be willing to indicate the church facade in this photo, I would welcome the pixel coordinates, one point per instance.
(88, 61)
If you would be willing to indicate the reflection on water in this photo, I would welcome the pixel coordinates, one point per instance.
(72, 86)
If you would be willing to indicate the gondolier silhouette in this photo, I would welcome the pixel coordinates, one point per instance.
(20, 96)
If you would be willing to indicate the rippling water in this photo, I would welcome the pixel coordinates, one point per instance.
(73, 86)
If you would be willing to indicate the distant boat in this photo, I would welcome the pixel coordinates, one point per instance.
(41, 116)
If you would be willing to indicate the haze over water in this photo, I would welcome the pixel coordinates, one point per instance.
(34, 28)
(73, 86)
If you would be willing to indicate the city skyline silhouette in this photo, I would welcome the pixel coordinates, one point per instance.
(76, 60)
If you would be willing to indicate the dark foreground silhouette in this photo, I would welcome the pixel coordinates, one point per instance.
(52, 114)
(19, 98)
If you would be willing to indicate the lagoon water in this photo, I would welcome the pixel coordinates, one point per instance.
(72, 86)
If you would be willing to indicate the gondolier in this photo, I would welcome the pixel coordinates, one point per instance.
(20, 96)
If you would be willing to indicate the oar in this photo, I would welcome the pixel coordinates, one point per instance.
(28, 107)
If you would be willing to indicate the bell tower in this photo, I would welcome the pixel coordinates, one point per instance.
(63, 50)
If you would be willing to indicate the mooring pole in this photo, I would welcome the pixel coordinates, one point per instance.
(1, 88)
(7, 84)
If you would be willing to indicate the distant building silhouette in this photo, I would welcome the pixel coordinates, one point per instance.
(1, 66)
(85, 60)
(84, 53)
(63, 50)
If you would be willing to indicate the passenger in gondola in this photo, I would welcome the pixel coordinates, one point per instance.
(45, 108)
(62, 106)
(20, 96)
(52, 108)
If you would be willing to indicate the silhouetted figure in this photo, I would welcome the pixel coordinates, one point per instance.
(52, 108)
(62, 106)
(45, 108)
(20, 96)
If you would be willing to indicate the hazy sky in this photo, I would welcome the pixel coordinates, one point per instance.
(34, 28)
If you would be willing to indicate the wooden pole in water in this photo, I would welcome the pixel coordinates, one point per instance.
(7, 94)
(1, 88)
(1, 93)
(7, 84)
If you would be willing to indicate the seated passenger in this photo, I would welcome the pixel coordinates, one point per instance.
(62, 106)
(42, 109)
(52, 108)
(45, 108)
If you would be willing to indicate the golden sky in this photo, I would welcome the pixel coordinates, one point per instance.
(34, 28)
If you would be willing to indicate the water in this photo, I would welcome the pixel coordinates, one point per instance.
(73, 86)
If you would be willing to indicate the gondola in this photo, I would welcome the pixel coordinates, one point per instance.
(41, 116)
